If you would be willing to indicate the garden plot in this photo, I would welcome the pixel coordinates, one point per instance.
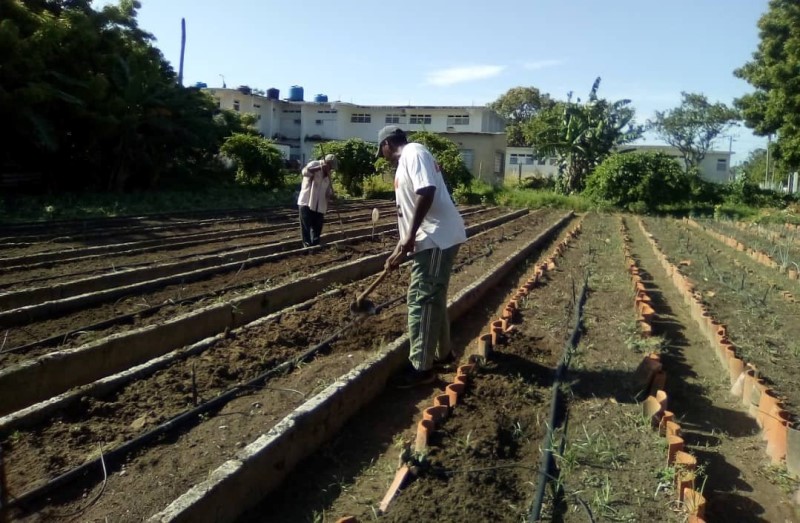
(149, 401)
(483, 461)
(733, 472)
(170, 300)
(72, 264)
(761, 320)
(782, 253)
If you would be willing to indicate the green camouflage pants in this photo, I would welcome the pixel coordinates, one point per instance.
(428, 324)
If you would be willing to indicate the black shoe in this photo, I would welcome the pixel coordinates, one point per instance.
(413, 378)
(448, 362)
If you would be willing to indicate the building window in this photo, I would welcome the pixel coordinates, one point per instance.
(542, 161)
(392, 118)
(297, 121)
(327, 111)
(257, 106)
(236, 105)
(319, 122)
(421, 119)
(361, 118)
(219, 103)
(553, 161)
(521, 158)
(457, 119)
(722, 165)
(468, 156)
(498, 163)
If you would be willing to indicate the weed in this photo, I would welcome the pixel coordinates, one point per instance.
(779, 476)
(464, 444)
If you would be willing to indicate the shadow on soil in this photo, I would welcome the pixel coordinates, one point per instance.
(323, 477)
(700, 423)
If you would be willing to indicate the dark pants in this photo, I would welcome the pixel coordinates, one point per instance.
(310, 225)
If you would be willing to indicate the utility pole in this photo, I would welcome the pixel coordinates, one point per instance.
(766, 173)
(183, 49)
(730, 156)
(223, 80)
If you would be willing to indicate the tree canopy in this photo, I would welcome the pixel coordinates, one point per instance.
(93, 103)
(518, 106)
(693, 126)
(774, 106)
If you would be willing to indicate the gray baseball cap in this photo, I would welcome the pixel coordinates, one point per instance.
(386, 132)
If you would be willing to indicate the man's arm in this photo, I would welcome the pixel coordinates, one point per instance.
(422, 204)
(311, 169)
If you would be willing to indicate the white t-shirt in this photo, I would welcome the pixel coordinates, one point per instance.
(315, 187)
(443, 226)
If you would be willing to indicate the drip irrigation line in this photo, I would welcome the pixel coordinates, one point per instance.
(558, 410)
(573, 494)
(129, 318)
(186, 418)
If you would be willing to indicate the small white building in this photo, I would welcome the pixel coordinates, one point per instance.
(523, 162)
(303, 124)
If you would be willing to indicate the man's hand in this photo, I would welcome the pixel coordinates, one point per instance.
(397, 257)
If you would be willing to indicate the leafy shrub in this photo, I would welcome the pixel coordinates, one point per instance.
(639, 181)
(356, 158)
(447, 155)
(743, 192)
(257, 162)
(376, 186)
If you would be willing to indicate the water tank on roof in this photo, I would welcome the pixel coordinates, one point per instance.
(295, 93)
(321, 98)
(273, 94)
(200, 85)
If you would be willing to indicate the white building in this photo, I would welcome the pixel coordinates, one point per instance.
(303, 124)
(523, 161)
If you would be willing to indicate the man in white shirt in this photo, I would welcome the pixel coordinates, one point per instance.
(316, 191)
(431, 231)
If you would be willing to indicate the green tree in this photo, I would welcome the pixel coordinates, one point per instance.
(581, 135)
(88, 94)
(518, 106)
(774, 106)
(693, 126)
(635, 180)
(754, 168)
(356, 158)
(447, 156)
(257, 161)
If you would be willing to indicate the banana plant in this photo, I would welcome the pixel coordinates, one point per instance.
(580, 135)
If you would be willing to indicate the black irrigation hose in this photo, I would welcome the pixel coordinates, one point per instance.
(184, 419)
(557, 408)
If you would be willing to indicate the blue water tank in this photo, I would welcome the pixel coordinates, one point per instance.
(321, 98)
(200, 85)
(295, 93)
(273, 94)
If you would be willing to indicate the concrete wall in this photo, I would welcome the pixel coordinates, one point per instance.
(484, 154)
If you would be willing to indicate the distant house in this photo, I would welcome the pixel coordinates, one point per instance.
(478, 131)
(524, 162)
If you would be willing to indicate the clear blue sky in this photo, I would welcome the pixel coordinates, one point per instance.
(439, 52)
